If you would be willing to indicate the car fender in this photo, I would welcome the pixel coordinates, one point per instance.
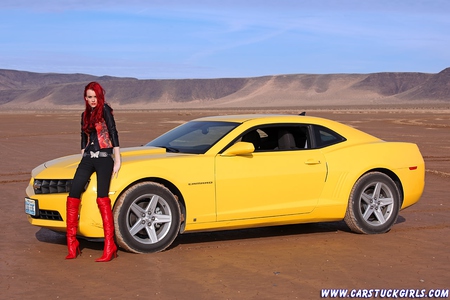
(346, 164)
(194, 180)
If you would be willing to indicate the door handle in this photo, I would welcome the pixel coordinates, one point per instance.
(312, 161)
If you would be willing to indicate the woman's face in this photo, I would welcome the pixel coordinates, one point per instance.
(91, 98)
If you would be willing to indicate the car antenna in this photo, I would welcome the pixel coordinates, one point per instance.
(302, 114)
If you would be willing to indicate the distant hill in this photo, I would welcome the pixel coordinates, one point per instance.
(28, 90)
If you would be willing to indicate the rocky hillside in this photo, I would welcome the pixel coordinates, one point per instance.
(27, 90)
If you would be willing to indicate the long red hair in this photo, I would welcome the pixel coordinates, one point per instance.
(92, 116)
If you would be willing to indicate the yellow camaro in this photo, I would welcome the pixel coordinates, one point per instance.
(229, 172)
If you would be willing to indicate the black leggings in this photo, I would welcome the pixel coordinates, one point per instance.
(103, 166)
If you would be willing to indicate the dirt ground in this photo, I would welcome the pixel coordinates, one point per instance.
(285, 262)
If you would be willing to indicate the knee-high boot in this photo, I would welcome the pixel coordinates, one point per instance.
(110, 250)
(72, 207)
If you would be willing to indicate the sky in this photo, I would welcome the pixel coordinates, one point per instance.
(178, 39)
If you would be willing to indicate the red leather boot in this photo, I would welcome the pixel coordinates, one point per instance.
(110, 250)
(72, 207)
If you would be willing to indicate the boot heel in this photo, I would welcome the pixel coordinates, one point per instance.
(73, 253)
(108, 254)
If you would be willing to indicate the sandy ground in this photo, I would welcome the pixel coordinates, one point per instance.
(285, 262)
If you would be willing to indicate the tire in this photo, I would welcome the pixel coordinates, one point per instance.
(373, 205)
(146, 218)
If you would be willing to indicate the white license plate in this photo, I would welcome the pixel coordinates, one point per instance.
(30, 206)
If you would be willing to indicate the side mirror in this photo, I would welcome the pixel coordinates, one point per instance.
(239, 148)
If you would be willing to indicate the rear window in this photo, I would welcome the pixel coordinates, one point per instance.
(326, 137)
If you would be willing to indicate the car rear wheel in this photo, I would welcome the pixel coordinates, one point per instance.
(146, 218)
(373, 205)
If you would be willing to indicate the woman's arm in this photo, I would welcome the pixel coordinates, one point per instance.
(111, 124)
(114, 137)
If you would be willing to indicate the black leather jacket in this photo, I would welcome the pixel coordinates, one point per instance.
(91, 142)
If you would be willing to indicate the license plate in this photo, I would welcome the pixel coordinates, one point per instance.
(30, 206)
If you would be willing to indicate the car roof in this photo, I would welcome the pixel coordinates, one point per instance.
(347, 131)
(266, 117)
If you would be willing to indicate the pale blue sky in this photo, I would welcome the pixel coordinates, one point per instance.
(224, 38)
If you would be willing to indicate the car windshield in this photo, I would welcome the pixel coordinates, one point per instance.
(193, 137)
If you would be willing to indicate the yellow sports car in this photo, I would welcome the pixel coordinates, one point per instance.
(229, 172)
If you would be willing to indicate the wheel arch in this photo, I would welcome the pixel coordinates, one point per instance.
(172, 188)
(391, 175)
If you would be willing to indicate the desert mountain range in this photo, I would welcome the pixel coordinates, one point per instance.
(28, 90)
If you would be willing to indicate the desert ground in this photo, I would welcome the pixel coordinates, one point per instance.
(284, 262)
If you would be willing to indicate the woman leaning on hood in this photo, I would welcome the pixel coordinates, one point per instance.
(100, 154)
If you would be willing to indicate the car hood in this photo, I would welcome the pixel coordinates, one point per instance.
(64, 167)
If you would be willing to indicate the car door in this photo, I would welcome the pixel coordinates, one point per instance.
(268, 182)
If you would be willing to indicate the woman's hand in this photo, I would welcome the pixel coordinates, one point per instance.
(117, 162)
(116, 169)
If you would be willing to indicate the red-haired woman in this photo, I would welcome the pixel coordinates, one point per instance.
(100, 154)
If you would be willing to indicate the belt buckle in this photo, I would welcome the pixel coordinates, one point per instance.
(95, 154)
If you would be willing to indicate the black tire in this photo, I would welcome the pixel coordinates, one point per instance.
(146, 218)
(373, 205)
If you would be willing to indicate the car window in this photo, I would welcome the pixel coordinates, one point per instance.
(326, 137)
(278, 137)
(193, 137)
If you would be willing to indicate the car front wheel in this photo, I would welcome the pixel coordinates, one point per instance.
(146, 218)
(373, 205)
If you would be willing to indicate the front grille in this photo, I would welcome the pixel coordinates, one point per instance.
(52, 186)
(49, 215)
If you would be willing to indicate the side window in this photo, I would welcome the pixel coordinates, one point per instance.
(326, 137)
(278, 138)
